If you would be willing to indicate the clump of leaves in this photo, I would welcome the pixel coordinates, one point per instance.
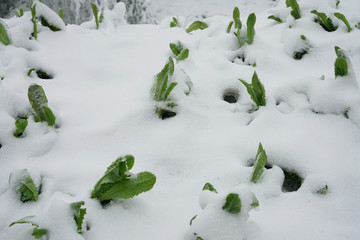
(343, 19)
(79, 214)
(324, 21)
(232, 203)
(323, 190)
(98, 19)
(161, 90)
(243, 37)
(340, 65)
(22, 183)
(20, 12)
(197, 25)
(209, 187)
(37, 231)
(179, 51)
(295, 12)
(259, 164)
(304, 50)
(175, 22)
(256, 90)
(118, 182)
(39, 103)
(20, 124)
(4, 36)
(236, 20)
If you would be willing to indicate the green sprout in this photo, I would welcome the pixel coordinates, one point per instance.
(323, 190)
(243, 37)
(79, 214)
(250, 28)
(295, 12)
(256, 90)
(259, 164)
(196, 25)
(232, 203)
(4, 35)
(95, 11)
(22, 183)
(174, 23)
(341, 64)
(344, 20)
(61, 13)
(38, 101)
(161, 90)
(277, 19)
(20, 12)
(20, 124)
(209, 187)
(34, 19)
(179, 51)
(324, 21)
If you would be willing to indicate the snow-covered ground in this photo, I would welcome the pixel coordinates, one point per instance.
(101, 97)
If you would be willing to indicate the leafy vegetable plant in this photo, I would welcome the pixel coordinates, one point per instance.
(179, 51)
(4, 36)
(343, 18)
(255, 202)
(118, 182)
(79, 214)
(161, 90)
(37, 232)
(209, 187)
(175, 22)
(22, 183)
(340, 65)
(324, 21)
(197, 25)
(295, 8)
(20, 125)
(243, 37)
(236, 20)
(232, 203)
(38, 101)
(259, 164)
(256, 90)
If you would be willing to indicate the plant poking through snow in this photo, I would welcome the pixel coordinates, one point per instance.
(37, 232)
(20, 124)
(256, 90)
(20, 12)
(98, 19)
(343, 18)
(4, 36)
(118, 182)
(232, 203)
(340, 65)
(243, 37)
(197, 25)
(79, 214)
(324, 21)
(295, 12)
(161, 90)
(259, 164)
(304, 48)
(22, 183)
(179, 51)
(174, 23)
(209, 187)
(33, 19)
(323, 190)
(275, 18)
(38, 101)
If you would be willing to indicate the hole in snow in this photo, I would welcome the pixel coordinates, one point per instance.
(292, 181)
(165, 113)
(43, 74)
(231, 95)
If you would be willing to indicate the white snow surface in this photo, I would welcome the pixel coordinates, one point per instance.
(102, 101)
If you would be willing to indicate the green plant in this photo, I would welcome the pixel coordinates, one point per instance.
(196, 25)
(61, 13)
(277, 19)
(209, 187)
(243, 37)
(174, 23)
(37, 232)
(20, 12)
(323, 190)
(179, 51)
(4, 36)
(161, 90)
(343, 18)
(297, 55)
(256, 90)
(95, 11)
(259, 164)
(236, 20)
(340, 65)
(79, 214)
(38, 101)
(295, 12)
(232, 203)
(255, 202)
(20, 125)
(324, 21)
(250, 28)
(40, 73)
(34, 19)
(118, 182)
(22, 183)
(45, 23)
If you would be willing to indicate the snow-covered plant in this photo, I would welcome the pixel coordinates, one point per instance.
(118, 182)
(209, 187)
(22, 183)
(4, 36)
(174, 22)
(259, 164)
(256, 90)
(79, 214)
(98, 19)
(303, 49)
(232, 203)
(39, 103)
(324, 21)
(295, 12)
(344, 20)
(197, 25)
(20, 124)
(341, 65)
(161, 90)
(20, 12)
(179, 51)
(37, 231)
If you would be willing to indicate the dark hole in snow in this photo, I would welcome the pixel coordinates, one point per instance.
(165, 113)
(231, 95)
(299, 55)
(105, 203)
(292, 181)
(88, 227)
(43, 75)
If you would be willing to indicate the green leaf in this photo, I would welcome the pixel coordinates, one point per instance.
(196, 25)
(45, 23)
(39, 232)
(30, 71)
(24, 186)
(341, 67)
(250, 28)
(27, 219)
(171, 66)
(259, 164)
(33, 19)
(229, 26)
(169, 89)
(210, 187)
(20, 12)
(176, 48)
(4, 36)
(343, 18)
(232, 203)
(275, 18)
(174, 23)
(20, 125)
(161, 78)
(95, 11)
(38, 101)
(324, 21)
(50, 117)
(61, 13)
(236, 17)
(255, 202)
(323, 190)
(183, 55)
(295, 8)
(192, 219)
(259, 89)
(79, 214)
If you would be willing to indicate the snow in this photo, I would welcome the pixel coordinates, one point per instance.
(102, 101)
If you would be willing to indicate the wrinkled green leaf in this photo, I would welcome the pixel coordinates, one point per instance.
(4, 36)
(79, 214)
(196, 25)
(259, 164)
(22, 183)
(95, 11)
(232, 203)
(343, 18)
(277, 19)
(209, 187)
(20, 125)
(250, 28)
(183, 55)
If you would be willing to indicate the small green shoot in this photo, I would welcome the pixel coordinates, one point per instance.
(323, 190)
(37, 232)
(4, 36)
(179, 51)
(20, 12)
(22, 183)
(161, 90)
(38, 101)
(340, 66)
(255, 202)
(209, 187)
(192, 219)
(95, 11)
(295, 12)
(61, 13)
(174, 23)
(232, 203)
(183, 55)
(343, 18)
(197, 25)
(324, 21)
(34, 19)
(250, 28)
(236, 20)
(243, 37)
(259, 164)
(277, 19)
(79, 214)
(297, 55)
(118, 182)
(20, 125)
(337, 3)
(256, 90)
(30, 71)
